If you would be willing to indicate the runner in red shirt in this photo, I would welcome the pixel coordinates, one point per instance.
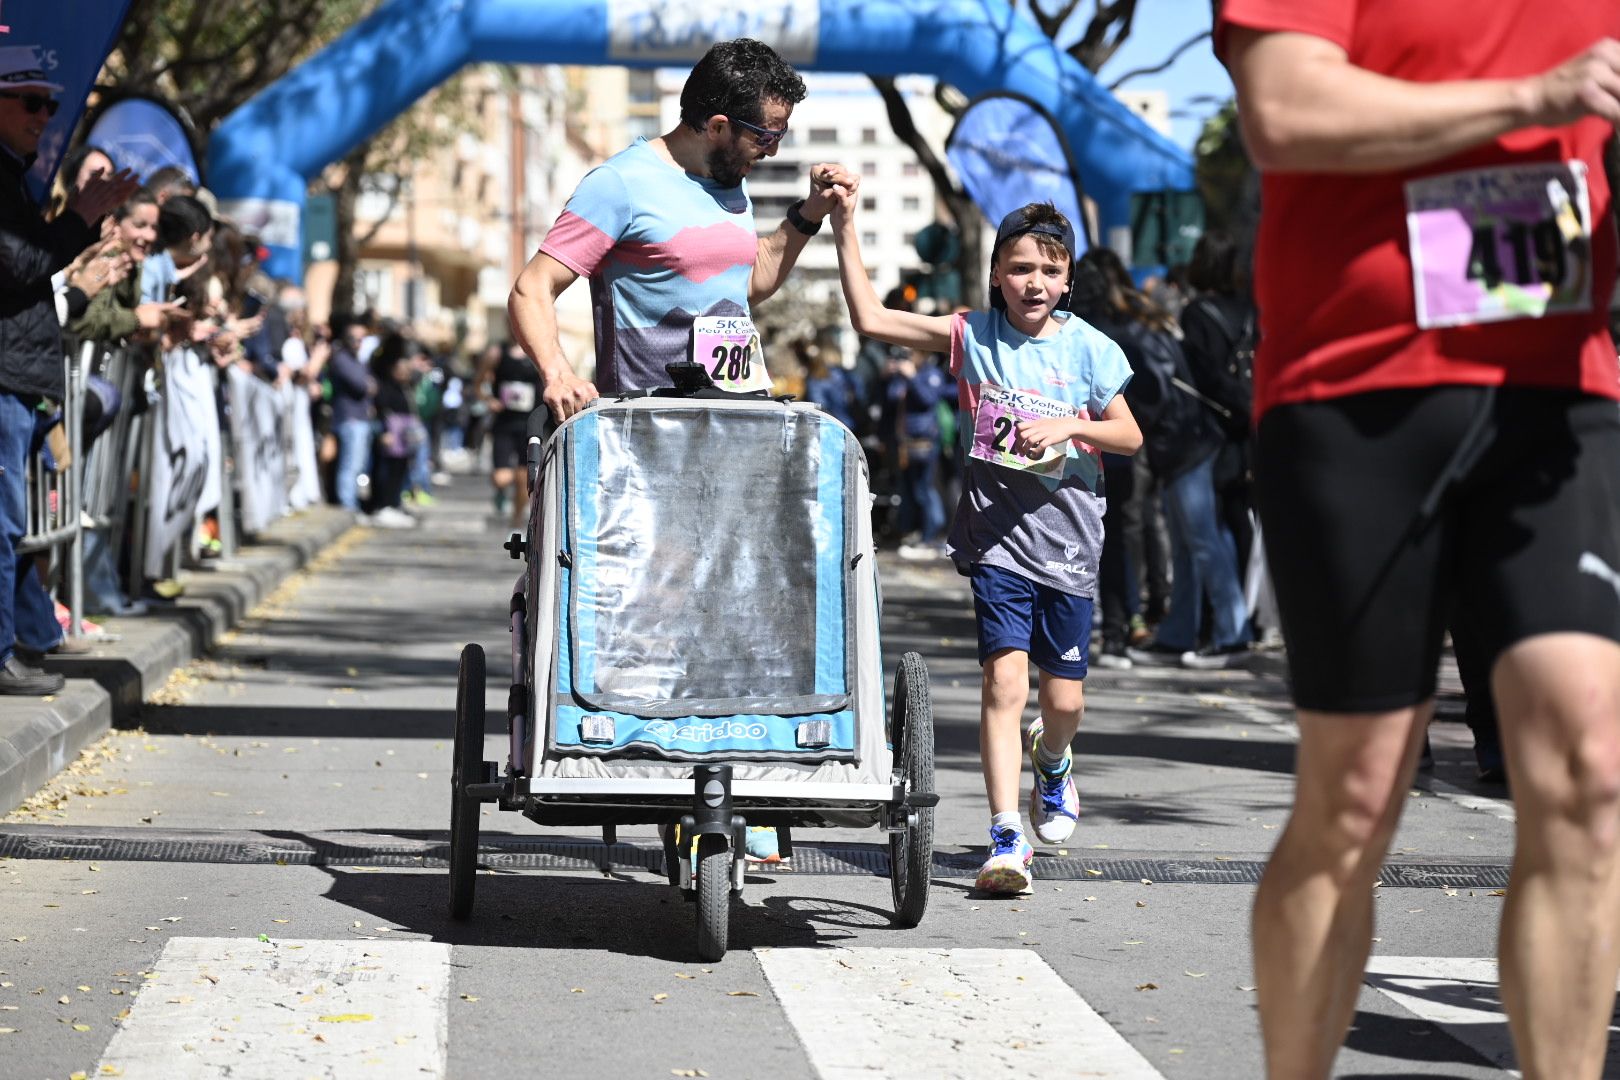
(1438, 439)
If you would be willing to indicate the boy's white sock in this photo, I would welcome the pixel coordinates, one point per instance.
(1046, 759)
(1012, 819)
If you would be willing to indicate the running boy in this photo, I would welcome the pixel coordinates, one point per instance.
(1040, 396)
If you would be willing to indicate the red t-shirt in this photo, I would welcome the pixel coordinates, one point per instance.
(1334, 264)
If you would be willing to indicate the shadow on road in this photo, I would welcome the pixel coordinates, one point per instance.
(632, 915)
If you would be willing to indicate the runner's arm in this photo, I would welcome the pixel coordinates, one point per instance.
(930, 333)
(532, 311)
(1306, 108)
(777, 253)
(1115, 431)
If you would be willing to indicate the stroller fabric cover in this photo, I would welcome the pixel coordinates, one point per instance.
(707, 598)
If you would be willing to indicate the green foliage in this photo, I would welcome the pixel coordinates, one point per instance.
(1223, 169)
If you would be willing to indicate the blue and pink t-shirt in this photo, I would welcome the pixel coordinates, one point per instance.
(1051, 535)
(661, 247)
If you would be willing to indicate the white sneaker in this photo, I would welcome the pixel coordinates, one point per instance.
(392, 518)
(1054, 804)
(921, 552)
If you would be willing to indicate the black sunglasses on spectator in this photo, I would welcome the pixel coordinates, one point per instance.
(32, 103)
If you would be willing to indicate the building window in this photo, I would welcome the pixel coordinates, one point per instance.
(869, 203)
(869, 239)
(910, 202)
(909, 239)
(868, 136)
(823, 135)
(868, 168)
(910, 168)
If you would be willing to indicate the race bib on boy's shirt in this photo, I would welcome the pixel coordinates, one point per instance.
(728, 348)
(995, 435)
(1509, 242)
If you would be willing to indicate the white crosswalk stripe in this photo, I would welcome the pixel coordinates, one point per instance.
(897, 1014)
(1460, 996)
(255, 1010)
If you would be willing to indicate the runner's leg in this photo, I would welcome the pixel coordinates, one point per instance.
(1558, 697)
(1313, 912)
(1001, 712)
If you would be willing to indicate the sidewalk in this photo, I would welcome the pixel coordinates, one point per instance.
(107, 686)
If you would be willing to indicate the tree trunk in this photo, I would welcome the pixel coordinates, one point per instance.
(346, 194)
(957, 202)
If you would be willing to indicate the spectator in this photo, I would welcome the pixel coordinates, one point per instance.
(352, 392)
(31, 370)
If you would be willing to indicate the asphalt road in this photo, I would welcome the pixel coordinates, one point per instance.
(264, 857)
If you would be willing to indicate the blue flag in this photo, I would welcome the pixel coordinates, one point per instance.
(1009, 153)
(143, 135)
(56, 49)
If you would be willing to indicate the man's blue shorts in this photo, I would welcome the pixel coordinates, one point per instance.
(1013, 612)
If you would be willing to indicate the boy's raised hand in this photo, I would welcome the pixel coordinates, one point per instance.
(828, 183)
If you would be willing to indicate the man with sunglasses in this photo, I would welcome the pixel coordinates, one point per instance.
(665, 232)
(31, 250)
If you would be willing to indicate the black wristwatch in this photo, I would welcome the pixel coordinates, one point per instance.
(797, 220)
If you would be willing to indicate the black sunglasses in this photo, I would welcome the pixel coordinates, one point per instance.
(766, 137)
(32, 103)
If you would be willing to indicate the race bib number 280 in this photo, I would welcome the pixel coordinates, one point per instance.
(1510, 242)
(728, 348)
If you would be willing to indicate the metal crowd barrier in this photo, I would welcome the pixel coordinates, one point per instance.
(107, 487)
(54, 523)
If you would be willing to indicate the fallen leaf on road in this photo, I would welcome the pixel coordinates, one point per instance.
(84, 989)
(347, 1018)
(281, 920)
(577, 990)
(1148, 986)
(64, 1000)
(1088, 898)
(741, 993)
(1245, 989)
(1141, 903)
(8, 1031)
(1195, 974)
(687, 1072)
(1093, 873)
(81, 1027)
(469, 997)
(684, 975)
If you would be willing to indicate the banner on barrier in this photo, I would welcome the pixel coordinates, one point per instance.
(180, 460)
(57, 49)
(261, 462)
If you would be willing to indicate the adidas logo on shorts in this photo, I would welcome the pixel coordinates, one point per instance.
(1073, 655)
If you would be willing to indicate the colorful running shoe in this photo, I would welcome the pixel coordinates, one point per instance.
(1054, 804)
(1007, 868)
(762, 847)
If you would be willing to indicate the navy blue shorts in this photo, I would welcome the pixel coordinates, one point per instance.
(1013, 612)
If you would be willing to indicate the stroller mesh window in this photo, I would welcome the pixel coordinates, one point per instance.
(708, 569)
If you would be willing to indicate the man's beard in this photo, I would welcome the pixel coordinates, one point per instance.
(726, 164)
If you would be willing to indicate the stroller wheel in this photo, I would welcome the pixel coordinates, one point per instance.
(911, 853)
(714, 897)
(468, 768)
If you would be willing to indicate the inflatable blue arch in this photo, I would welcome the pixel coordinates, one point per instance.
(262, 157)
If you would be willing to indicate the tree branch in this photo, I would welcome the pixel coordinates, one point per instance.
(1165, 65)
(1104, 34)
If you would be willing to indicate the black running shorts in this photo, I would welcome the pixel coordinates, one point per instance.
(1387, 514)
(509, 444)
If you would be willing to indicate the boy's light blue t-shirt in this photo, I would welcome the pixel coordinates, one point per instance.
(1011, 519)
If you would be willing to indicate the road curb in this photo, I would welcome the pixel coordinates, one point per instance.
(107, 687)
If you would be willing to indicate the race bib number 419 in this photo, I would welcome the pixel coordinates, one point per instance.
(1510, 242)
(728, 348)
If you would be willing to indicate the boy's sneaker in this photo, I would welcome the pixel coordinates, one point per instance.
(1216, 657)
(762, 846)
(1007, 868)
(1054, 804)
(1155, 653)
